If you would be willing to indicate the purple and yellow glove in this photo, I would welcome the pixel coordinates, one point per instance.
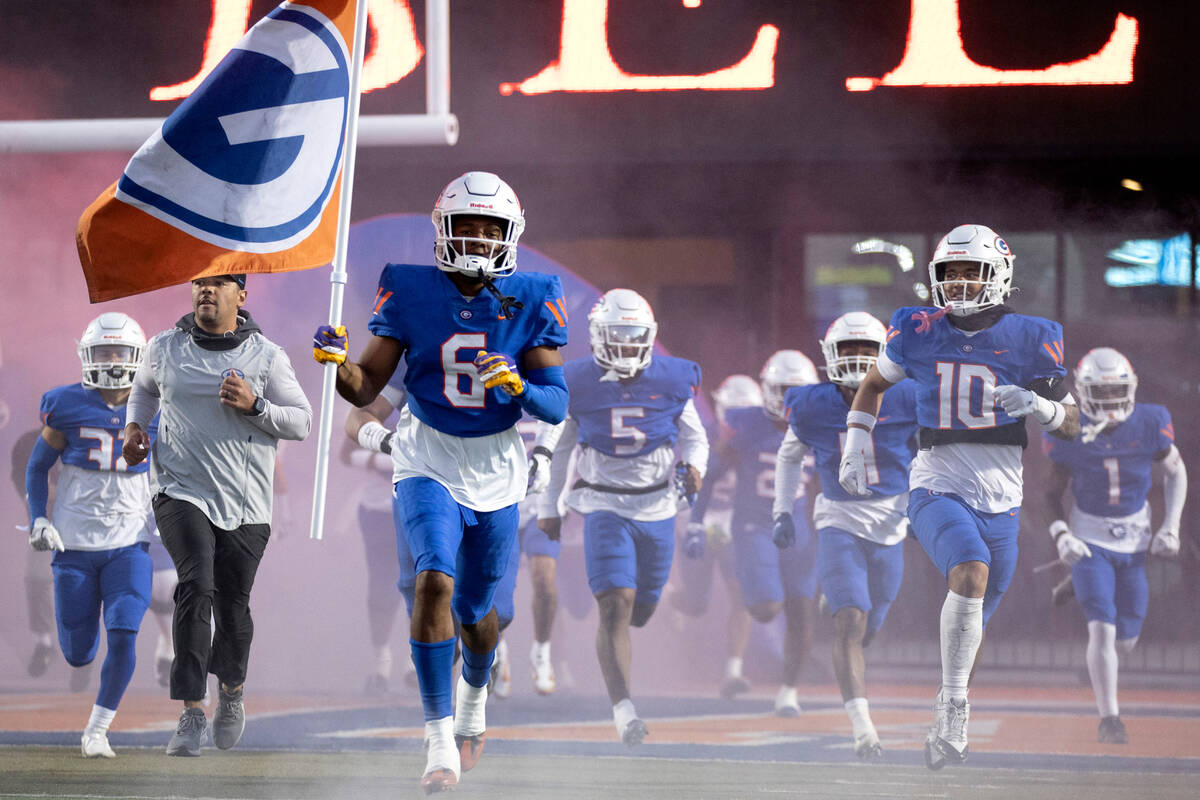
(496, 370)
(331, 344)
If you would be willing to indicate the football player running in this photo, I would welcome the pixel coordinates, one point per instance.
(1106, 537)
(774, 574)
(102, 567)
(980, 370)
(860, 540)
(707, 538)
(480, 343)
(628, 411)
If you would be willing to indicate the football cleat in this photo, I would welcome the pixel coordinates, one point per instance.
(500, 676)
(934, 759)
(39, 661)
(470, 748)
(786, 704)
(1112, 731)
(733, 685)
(635, 731)
(952, 740)
(442, 760)
(543, 671)
(95, 745)
(439, 780)
(867, 748)
(470, 723)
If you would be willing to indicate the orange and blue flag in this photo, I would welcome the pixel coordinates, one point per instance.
(245, 175)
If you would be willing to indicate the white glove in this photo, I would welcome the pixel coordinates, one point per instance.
(44, 536)
(852, 473)
(1018, 402)
(539, 473)
(1165, 543)
(1070, 548)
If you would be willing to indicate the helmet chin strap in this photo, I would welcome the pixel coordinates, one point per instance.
(509, 306)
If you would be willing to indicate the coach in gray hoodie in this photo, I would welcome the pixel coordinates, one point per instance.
(227, 395)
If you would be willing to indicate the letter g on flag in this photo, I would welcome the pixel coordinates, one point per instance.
(250, 160)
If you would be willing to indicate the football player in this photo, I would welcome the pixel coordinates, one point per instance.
(102, 567)
(1106, 537)
(706, 542)
(980, 370)
(772, 577)
(628, 411)
(480, 343)
(860, 541)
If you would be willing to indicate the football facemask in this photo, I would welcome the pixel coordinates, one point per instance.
(110, 351)
(973, 245)
(1107, 385)
(477, 194)
(843, 368)
(621, 328)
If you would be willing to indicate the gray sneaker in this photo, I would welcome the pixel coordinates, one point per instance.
(190, 734)
(230, 719)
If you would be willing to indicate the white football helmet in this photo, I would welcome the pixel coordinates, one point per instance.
(783, 370)
(978, 244)
(485, 195)
(1107, 385)
(736, 391)
(110, 350)
(855, 326)
(621, 328)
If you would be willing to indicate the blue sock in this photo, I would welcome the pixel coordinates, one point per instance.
(434, 661)
(476, 667)
(118, 668)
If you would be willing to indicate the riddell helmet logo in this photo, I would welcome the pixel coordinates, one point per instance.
(482, 205)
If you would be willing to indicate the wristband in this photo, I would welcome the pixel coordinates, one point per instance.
(1058, 528)
(1049, 413)
(861, 419)
(372, 436)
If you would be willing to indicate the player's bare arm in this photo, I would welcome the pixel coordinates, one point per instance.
(361, 382)
(540, 358)
(1056, 487)
(870, 392)
(1069, 428)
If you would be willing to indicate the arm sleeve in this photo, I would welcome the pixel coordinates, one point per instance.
(143, 400)
(288, 414)
(563, 439)
(1174, 488)
(545, 395)
(693, 439)
(789, 472)
(37, 477)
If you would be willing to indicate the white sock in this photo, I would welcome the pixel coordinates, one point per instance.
(860, 718)
(962, 631)
(1102, 666)
(100, 719)
(443, 754)
(733, 667)
(786, 697)
(540, 651)
(469, 702)
(383, 660)
(623, 714)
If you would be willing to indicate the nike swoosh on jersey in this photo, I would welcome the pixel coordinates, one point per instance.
(998, 352)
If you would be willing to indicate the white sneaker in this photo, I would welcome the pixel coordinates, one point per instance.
(543, 671)
(500, 679)
(95, 745)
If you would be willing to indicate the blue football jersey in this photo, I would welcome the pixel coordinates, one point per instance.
(442, 332)
(1110, 476)
(750, 452)
(956, 372)
(817, 415)
(95, 432)
(634, 417)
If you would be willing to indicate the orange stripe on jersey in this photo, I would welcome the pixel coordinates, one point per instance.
(1054, 349)
(892, 334)
(562, 307)
(1169, 431)
(381, 297)
(562, 323)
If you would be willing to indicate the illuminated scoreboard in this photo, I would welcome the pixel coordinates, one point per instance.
(675, 79)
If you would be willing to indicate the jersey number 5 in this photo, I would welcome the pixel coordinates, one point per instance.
(619, 430)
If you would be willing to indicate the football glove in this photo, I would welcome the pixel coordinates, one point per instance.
(693, 541)
(1018, 402)
(330, 344)
(785, 531)
(1070, 548)
(684, 484)
(496, 370)
(539, 473)
(1165, 543)
(44, 536)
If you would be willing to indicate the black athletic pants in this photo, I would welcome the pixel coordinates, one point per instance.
(216, 572)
